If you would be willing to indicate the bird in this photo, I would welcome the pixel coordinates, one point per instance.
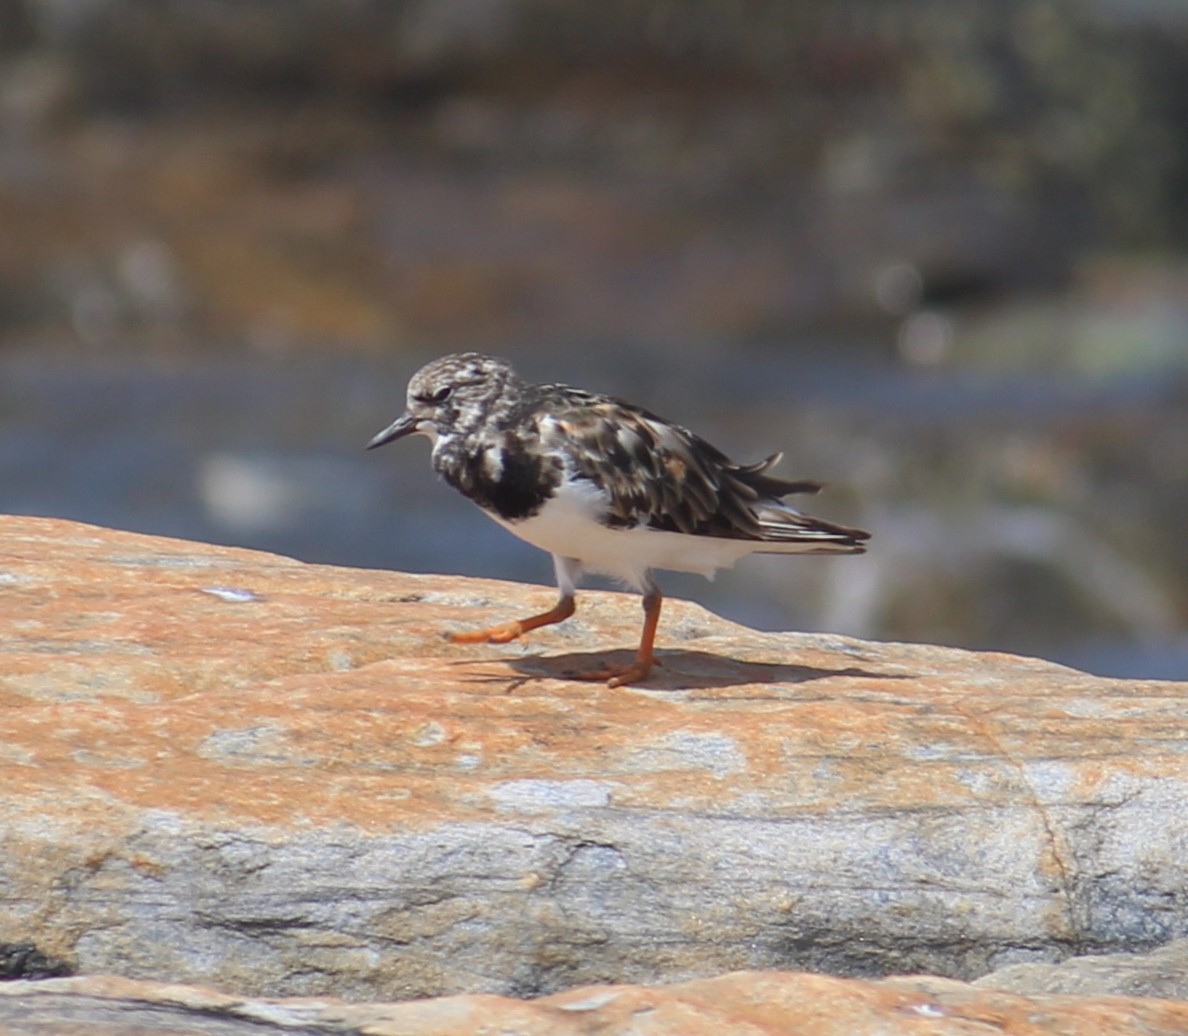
(603, 486)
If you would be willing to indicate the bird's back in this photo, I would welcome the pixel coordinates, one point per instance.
(661, 476)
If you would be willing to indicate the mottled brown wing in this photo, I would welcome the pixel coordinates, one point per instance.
(664, 476)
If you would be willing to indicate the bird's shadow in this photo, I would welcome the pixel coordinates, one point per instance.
(681, 670)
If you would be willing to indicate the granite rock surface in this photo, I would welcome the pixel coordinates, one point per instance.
(739, 1004)
(229, 768)
(1162, 973)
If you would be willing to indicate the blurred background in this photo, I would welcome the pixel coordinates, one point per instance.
(935, 250)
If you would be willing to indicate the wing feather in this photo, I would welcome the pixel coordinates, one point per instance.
(661, 476)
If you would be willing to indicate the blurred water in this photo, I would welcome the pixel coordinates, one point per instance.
(267, 452)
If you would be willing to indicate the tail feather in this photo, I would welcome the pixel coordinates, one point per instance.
(756, 480)
(789, 531)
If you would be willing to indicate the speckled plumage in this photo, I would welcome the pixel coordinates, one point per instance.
(601, 483)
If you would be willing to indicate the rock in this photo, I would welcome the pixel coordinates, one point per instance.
(252, 47)
(24, 960)
(232, 768)
(1161, 973)
(746, 1004)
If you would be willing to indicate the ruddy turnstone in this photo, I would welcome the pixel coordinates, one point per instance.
(602, 485)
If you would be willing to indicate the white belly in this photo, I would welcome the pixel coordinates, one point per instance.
(568, 527)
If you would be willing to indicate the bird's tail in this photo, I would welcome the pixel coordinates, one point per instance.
(785, 530)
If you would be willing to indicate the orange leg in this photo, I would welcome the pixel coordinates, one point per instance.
(561, 611)
(618, 676)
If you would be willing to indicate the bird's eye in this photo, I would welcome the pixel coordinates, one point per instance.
(440, 396)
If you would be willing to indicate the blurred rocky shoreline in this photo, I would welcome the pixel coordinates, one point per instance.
(445, 172)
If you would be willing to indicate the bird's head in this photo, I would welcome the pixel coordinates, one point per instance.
(453, 394)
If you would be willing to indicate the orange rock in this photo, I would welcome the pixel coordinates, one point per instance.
(227, 767)
(744, 1004)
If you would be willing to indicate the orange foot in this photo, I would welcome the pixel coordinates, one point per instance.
(494, 635)
(561, 611)
(619, 675)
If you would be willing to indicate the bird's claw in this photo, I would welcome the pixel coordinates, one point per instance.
(493, 635)
(617, 675)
